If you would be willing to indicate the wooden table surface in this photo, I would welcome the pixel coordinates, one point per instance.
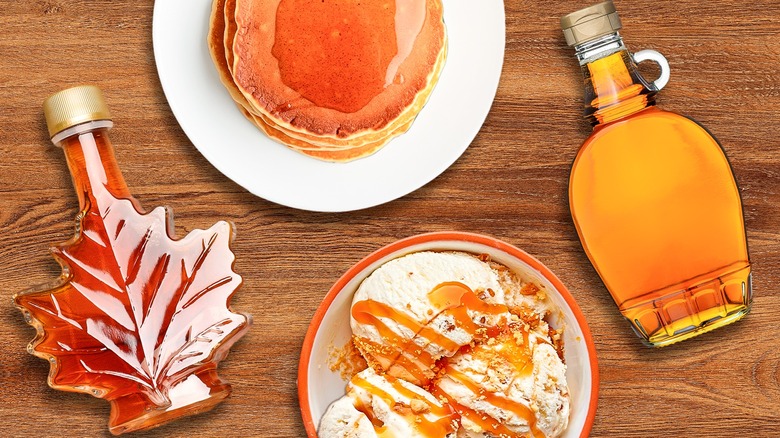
(511, 183)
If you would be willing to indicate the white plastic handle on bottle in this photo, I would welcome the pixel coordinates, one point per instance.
(652, 55)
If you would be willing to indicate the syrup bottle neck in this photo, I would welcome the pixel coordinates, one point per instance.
(93, 168)
(614, 88)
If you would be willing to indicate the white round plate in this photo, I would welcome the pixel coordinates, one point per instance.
(442, 132)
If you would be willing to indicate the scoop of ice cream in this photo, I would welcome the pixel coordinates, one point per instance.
(513, 384)
(523, 297)
(384, 406)
(413, 310)
(342, 420)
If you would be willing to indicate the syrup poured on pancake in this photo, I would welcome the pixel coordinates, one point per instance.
(340, 54)
(332, 79)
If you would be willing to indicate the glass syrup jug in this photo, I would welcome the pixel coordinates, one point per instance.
(652, 195)
(138, 317)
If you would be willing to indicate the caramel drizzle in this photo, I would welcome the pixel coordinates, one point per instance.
(436, 422)
(395, 351)
(454, 299)
(513, 351)
(518, 355)
(485, 422)
(368, 411)
(496, 400)
(419, 365)
(451, 298)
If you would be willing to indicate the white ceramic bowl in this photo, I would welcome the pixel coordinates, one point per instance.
(318, 386)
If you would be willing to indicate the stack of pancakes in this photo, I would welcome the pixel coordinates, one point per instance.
(332, 79)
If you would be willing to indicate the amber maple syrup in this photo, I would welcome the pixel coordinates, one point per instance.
(341, 54)
(653, 196)
(138, 318)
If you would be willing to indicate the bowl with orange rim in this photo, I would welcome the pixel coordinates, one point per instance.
(319, 385)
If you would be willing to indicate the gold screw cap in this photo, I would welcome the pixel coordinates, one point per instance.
(74, 106)
(590, 23)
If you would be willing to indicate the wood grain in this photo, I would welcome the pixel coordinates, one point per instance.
(511, 183)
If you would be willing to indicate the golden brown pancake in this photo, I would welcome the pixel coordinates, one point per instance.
(364, 142)
(336, 155)
(372, 135)
(383, 61)
(230, 31)
(218, 32)
(219, 28)
(335, 68)
(216, 42)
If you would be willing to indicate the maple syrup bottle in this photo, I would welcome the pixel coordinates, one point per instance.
(652, 195)
(138, 317)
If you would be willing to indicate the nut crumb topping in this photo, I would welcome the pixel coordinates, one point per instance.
(419, 406)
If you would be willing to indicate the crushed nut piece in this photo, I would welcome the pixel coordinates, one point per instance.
(419, 406)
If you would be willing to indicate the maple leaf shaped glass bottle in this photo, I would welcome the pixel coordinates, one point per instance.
(138, 318)
(652, 195)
